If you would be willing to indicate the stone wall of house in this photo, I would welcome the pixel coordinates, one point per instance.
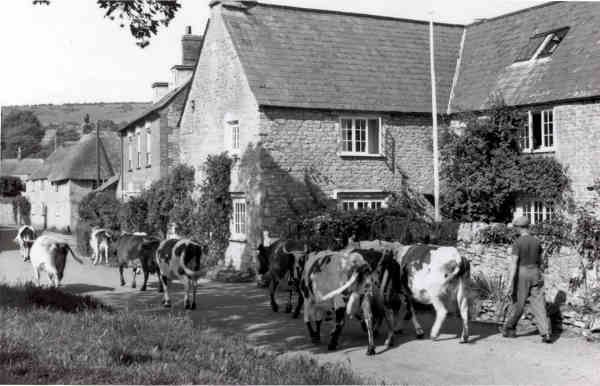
(219, 93)
(577, 126)
(7, 217)
(305, 144)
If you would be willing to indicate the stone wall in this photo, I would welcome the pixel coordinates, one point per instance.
(7, 217)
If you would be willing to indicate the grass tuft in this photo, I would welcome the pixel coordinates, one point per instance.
(50, 337)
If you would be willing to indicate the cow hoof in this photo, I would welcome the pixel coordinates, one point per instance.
(274, 307)
(122, 284)
(143, 289)
(420, 334)
(371, 350)
(389, 343)
(133, 285)
(463, 340)
(434, 338)
(186, 306)
(288, 308)
(295, 315)
(316, 339)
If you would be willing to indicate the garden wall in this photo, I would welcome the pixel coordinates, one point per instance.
(7, 216)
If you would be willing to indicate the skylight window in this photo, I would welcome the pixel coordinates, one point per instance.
(542, 45)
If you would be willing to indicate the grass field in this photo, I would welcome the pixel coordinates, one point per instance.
(51, 337)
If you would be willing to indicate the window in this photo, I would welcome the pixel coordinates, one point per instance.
(139, 149)
(238, 221)
(235, 134)
(148, 146)
(130, 152)
(539, 132)
(232, 134)
(542, 45)
(538, 211)
(361, 136)
(359, 204)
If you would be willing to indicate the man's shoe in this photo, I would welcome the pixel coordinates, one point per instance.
(507, 332)
(546, 338)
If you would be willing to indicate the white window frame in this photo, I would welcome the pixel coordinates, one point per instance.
(547, 128)
(239, 218)
(537, 210)
(359, 203)
(353, 139)
(148, 145)
(233, 134)
(139, 149)
(130, 151)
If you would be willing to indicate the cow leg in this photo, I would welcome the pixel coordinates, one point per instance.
(463, 306)
(194, 288)
(164, 283)
(146, 274)
(440, 316)
(36, 275)
(368, 319)
(272, 288)
(121, 275)
(412, 315)
(186, 297)
(288, 306)
(388, 315)
(299, 305)
(340, 318)
(310, 314)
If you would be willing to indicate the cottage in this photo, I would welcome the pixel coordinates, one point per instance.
(313, 103)
(149, 143)
(20, 167)
(68, 174)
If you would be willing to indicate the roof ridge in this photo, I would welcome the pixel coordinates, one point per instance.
(347, 13)
(549, 3)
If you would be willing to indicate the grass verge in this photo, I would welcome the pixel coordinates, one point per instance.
(49, 336)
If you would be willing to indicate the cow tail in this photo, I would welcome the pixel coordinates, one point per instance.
(77, 259)
(187, 271)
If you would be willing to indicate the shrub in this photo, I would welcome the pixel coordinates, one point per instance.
(133, 215)
(100, 209)
(83, 232)
(497, 234)
(11, 186)
(21, 206)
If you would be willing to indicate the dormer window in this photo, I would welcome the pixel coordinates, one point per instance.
(542, 45)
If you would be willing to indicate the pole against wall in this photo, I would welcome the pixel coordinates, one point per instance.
(97, 154)
(436, 176)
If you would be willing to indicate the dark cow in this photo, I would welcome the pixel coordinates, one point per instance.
(327, 275)
(25, 238)
(137, 250)
(180, 259)
(438, 276)
(283, 257)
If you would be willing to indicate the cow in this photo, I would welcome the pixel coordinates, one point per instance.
(435, 275)
(180, 259)
(327, 275)
(281, 258)
(99, 242)
(138, 250)
(50, 254)
(24, 239)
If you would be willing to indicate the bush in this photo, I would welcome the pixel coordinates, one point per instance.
(133, 215)
(497, 234)
(83, 231)
(100, 209)
(11, 186)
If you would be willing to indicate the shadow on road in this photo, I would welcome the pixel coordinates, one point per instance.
(80, 288)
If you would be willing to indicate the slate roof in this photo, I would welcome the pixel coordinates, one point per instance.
(78, 161)
(17, 167)
(305, 58)
(491, 47)
(162, 102)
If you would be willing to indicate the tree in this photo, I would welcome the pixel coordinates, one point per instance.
(21, 129)
(11, 186)
(143, 16)
(87, 126)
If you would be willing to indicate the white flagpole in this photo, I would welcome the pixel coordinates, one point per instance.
(436, 176)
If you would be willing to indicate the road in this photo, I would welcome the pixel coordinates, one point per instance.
(244, 309)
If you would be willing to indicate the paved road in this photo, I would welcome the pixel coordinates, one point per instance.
(243, 309)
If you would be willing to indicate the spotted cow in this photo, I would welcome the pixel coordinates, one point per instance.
(49, 254)
(24, 239)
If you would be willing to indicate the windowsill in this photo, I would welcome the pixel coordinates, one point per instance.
(540, 150)
(238, 238)
(148, 166)
(347, 154)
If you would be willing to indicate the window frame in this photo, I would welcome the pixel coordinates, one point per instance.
(148, 145)
(371, 203)
(239, 220)
(234, 135)
(547, 132)
(353, 140)
(537, 210)
(130, 152)
(138, 135)
(540, 52)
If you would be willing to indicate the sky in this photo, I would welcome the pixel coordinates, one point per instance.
(68, 52)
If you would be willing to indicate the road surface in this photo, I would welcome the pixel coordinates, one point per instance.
(244, 309)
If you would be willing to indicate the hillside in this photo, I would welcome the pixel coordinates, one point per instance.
(118, 112)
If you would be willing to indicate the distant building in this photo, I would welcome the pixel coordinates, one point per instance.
(150, 142)
(69, 173)
(20, 167)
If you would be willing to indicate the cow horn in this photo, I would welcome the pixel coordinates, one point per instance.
(342, 288)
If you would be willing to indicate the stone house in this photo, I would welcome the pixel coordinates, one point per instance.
(149, 143)
(311, 104)
(68, 174)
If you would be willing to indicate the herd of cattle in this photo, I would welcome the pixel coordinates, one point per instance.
(371, 281)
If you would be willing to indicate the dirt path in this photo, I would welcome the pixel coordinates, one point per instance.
(243, 309)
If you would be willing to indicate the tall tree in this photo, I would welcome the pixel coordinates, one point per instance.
(21, 129)
(143, 16)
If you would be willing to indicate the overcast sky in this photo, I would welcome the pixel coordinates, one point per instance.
(67, 52)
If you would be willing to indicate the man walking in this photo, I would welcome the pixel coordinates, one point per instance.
(525, 282)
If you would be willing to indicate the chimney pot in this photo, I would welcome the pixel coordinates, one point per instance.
(19, 152)
(188, 30)
(159, 90)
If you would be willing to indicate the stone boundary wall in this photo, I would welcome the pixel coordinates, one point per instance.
(6, 214)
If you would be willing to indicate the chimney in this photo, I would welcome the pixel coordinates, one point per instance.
(19, 153)
(190, 51)
(159, 90)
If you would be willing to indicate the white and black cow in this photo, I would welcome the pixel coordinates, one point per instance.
(438, 276)
(180, 259)
(49, 254)
(24, 239)
(137, 250)
(99, 242)
(280, 259)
